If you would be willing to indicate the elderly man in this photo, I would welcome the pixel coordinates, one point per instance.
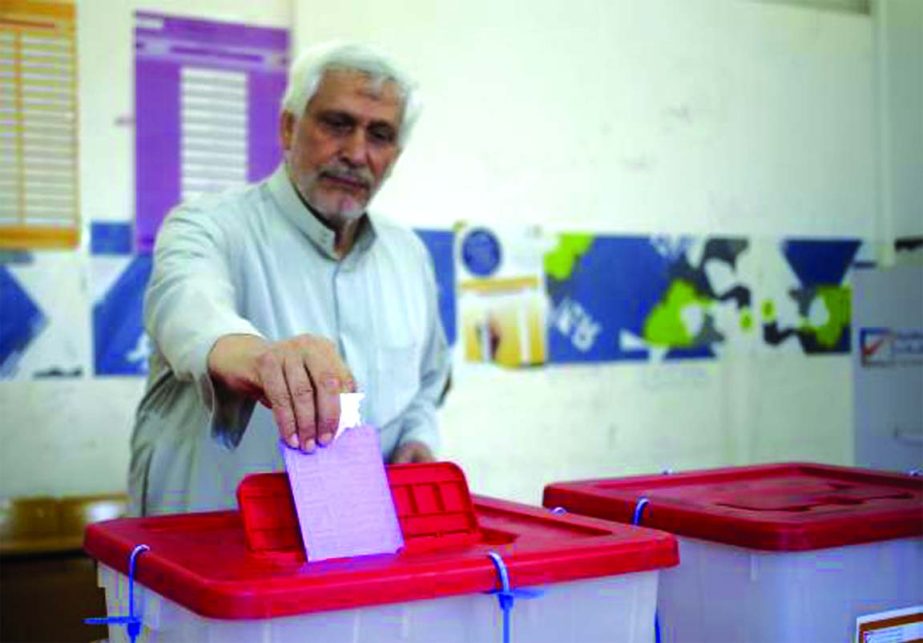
(288, 293)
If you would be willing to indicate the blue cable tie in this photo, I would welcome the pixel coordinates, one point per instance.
(915, 472)
(558, 511)
(132, 622)
(506, 596)
(639, 510)
(636, 520)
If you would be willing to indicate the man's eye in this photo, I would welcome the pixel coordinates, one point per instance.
(337, 123)
(382, 134)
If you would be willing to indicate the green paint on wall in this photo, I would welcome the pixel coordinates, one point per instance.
(746, 320)
(664, 326)
(769, 311)
(838, 300)
(560, 262)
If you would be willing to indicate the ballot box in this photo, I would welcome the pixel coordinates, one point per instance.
(243, 576)
(782, 552)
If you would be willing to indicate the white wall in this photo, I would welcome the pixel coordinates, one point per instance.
(698, 116)
(899, 76)
(664, 115)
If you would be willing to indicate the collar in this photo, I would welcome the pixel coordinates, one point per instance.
(295, 210)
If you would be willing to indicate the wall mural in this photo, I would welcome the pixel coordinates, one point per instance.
(607, 299)
(44, 329)
(666, 298)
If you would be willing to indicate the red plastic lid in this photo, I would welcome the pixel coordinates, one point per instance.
(432, 502)
(781, 507)
(203, 561)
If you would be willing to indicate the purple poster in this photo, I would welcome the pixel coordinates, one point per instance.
(207, 98)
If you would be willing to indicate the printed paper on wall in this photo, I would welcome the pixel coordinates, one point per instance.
(39, 197)
(501, 296)
(207, 97)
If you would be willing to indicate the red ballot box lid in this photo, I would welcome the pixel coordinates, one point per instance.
(250, 564)
(780, 507)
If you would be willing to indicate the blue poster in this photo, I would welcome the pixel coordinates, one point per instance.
(439, 243)
(21, 322)
(120, 345)
(619, 298)
(821, 268)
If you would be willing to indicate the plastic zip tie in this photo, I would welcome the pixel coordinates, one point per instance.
(558, 511)
(642, 503)
(132, 622)
(506, 596)
(639, 510)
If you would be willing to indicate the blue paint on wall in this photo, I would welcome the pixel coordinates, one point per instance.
(21, 322)
(440, 245)
(119, 343)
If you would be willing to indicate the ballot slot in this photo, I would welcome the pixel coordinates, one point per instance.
(432, 502)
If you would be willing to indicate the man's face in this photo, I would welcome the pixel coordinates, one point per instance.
(341, 149)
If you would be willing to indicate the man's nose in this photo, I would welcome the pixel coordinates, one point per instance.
(355, 148)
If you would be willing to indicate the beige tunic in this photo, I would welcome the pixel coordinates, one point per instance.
(257, 261)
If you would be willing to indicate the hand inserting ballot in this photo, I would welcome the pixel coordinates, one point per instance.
(300, 379)
(412, 451)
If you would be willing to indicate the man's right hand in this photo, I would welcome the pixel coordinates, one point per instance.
(300, 379)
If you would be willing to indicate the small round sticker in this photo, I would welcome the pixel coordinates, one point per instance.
(481, 252)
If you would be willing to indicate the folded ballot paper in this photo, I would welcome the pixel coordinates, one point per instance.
(341, 492)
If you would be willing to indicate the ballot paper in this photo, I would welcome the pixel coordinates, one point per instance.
(342, 497)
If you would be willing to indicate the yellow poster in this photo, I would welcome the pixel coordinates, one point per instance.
(39, 197)
(501, 295)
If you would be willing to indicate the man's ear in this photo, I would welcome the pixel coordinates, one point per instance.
(286, 130)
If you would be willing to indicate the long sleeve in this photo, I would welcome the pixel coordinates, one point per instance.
(190, 303)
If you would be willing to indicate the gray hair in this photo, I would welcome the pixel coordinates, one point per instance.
(308, 69)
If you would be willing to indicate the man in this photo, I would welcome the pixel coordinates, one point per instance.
(287, 293)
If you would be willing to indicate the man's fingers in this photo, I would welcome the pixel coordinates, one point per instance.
(328, 407)
(413, 451)
(302, 393)
(301, 380)
(401, 456)
(349, 384)
(331, 378)
(275, 390)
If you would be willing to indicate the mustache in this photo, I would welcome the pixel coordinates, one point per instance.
(362, 176)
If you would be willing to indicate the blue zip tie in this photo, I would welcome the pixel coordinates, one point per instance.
(506, 596)
(915, 472)
(558, 511)
(636, 520)
(639, 510)
(131, 622)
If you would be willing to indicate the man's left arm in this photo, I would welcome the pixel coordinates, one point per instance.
(419, 438)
